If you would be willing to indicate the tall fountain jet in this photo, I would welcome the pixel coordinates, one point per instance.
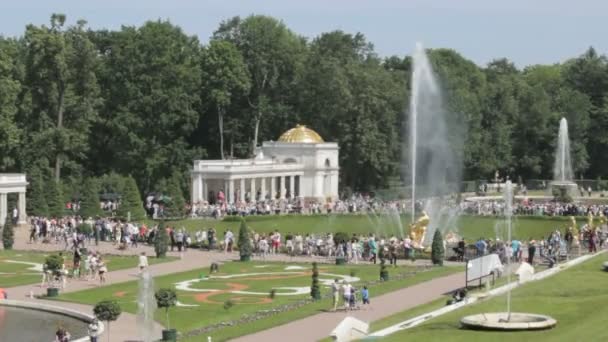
(563, 177)
(562, 171)
(435, 143)
(146, 305)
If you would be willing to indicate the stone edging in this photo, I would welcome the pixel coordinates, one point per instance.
(57, 310)
(412, 322)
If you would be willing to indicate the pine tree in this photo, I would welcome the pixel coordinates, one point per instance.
(245, 249)
(54, 198)
(131, 202)
(161, 241)
(89, 201)
(383, 270)
(437, 250)
(8, 234)
(315, 289)
(175, 208)
(36, 201)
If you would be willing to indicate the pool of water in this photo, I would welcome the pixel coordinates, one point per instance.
(27, 325)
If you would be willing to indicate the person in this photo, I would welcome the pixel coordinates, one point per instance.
(62, 335)
(531, 252)
(228, 240)
(102, 269)
(335, 291)
(3, 294)
(143, 262)
(211, 238)
(352, 299)
(365, 295)
(93, 330)
(346, 288)
(481, 247)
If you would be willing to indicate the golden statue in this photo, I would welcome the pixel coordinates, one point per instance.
(590, 221)
(574, 229)
(418, 230)
(602, 219)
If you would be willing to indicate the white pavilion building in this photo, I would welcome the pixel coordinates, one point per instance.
(299, 165)
(12, 183)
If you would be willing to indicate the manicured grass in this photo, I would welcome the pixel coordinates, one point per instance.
(470, 227)
(19, 274)
(575, 297)
(210, 309)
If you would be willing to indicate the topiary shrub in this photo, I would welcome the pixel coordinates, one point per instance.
(383, 270)
(53, 263)
(107, 311)
(315, 290)
(161, 241)
(166, 299)
(437, 250)
(8, 233)
(340, 237)
(84, 228)
(245, 248)
(228, 304)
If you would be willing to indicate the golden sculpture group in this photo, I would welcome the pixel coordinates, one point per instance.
(418, 231)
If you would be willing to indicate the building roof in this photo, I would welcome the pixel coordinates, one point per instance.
(301, 134)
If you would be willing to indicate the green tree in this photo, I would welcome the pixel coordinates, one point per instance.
(8, 234)
(107, 311)
(10, 134)
(151, 83)
(54, 198)
(131, 202)
(437, 250)
(161, 241)
(177, 204)
(245, 248)
(224, 79)
(166, 299)
(273, 55)
(62, 92)
(36, 201)
(383, 270)
(315, 288)
(89, 201)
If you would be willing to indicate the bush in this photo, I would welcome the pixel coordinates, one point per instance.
(161, 241)
(54, 263)
(228, 304)
(107, 311)
(89, 205)
(8, 233)
(340, 237)
(437, 250)
(131, 202)
(315, 290)
(84, 228)
(166, 298)
(272, 293)
(383, 270)
(175, 207)
(245, 249)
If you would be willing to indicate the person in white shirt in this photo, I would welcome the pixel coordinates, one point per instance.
(143, 262)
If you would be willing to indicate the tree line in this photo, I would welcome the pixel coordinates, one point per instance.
(143, 102)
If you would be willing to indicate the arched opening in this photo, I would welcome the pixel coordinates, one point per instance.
(327, 163)
(289, 161)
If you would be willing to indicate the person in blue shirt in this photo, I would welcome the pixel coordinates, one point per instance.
(365, 295)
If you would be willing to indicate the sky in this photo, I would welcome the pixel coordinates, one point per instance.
(524, 31)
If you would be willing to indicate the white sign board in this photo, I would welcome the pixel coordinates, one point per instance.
(483, 267)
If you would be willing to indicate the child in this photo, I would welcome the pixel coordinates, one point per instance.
(352, 298)
(365, 295)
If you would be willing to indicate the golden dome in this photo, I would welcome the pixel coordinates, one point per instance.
(301, 134)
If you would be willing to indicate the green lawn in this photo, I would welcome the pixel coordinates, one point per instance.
(210, 310)
(470, 227)
(16, 274)
(575, 297)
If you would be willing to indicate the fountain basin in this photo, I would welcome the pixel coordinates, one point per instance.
(605, 266)
(498, 321)
(16, 319)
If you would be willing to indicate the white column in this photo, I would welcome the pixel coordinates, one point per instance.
(231, 191)
(318, 180)
(199, 190)
(252, 190)
(263, 189)
(283, 187)
(204, 190)
(292, 186)
(300, 186)
(22, 208)
(273, 184)
(3, 209)
(242, 190)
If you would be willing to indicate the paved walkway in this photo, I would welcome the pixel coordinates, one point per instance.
(319, 326)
